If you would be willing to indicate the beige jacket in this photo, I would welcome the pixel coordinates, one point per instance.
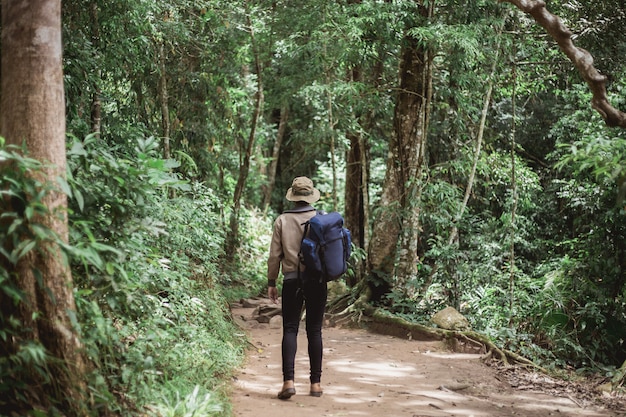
(286, 239)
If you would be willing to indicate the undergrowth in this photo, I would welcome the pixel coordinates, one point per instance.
(151, 296)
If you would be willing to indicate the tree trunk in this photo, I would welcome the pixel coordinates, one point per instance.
(96, 104)
(271, 171)
(164, 99)
(354, 196)
(244, 166)
(32, 110)
(331, 130)
(357, 190)
(393, 247)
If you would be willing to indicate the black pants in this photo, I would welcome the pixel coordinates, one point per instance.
(313, 297)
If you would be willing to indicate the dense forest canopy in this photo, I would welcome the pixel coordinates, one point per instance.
(474, 149)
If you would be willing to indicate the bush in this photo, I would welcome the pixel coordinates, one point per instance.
(150, 290)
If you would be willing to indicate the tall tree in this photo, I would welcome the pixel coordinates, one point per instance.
(32, 111)
(271, 170)
(247, 147)
(393, 246)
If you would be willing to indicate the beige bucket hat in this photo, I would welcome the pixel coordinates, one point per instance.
(302, 190)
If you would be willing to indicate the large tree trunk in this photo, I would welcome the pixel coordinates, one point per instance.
(354, 193)
(393, 246)
(357, 190)
(356, 200)
(32, 110)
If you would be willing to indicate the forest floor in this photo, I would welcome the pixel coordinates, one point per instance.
(372, 375)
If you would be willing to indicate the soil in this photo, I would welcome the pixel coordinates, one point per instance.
(372, 375)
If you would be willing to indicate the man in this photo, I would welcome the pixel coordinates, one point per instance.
(286, 239)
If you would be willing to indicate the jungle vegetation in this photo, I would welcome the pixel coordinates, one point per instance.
(478, 157)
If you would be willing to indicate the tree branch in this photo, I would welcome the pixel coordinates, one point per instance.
(581, 58)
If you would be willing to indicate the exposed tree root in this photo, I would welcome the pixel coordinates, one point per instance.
(363, 314)
(345, 312)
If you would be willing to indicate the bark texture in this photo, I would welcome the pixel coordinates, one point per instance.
(244, 166)
(393, 247)
(96, 104)
(355, 192)
(164, 101)
(357, 174)
(581, 58)
(32, 111)
(273, 167)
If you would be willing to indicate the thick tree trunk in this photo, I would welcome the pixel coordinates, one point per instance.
(356, 188)
(32, 110)
(410, 126)
(393, 247)
(356, 200)
(354, 207)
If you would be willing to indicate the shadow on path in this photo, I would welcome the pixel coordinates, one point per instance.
(367, 374)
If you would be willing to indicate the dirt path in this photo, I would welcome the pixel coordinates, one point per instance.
(372, 375)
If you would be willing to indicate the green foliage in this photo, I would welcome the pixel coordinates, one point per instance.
(590, 278)
(250, 276)
(150, 292)
(22, 201)
(22, 359)
(194, 404)
(145, 245)
(589, 152)
(110, 197)
(560, 307)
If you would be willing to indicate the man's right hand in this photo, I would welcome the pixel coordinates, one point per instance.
(272, 293)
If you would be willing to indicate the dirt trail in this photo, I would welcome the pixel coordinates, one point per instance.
(371, 375)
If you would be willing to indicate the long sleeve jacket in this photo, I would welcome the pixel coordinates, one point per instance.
(286, 240)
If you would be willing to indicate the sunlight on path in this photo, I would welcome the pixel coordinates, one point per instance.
(381, 376)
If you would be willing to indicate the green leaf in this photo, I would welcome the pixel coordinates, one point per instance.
(29, 212)
(13, 292)
(14, 225)
(65, 187)
(27, 247)
(78, 196)
(77, 149)
(8, 256)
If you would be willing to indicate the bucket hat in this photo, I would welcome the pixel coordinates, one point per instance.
(302, 190)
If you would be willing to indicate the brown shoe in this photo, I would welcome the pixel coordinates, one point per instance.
(286, 394)
(316, 390)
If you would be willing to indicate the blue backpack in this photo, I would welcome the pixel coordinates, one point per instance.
(326, 247)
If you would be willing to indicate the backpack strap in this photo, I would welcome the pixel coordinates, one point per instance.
(306, 225)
